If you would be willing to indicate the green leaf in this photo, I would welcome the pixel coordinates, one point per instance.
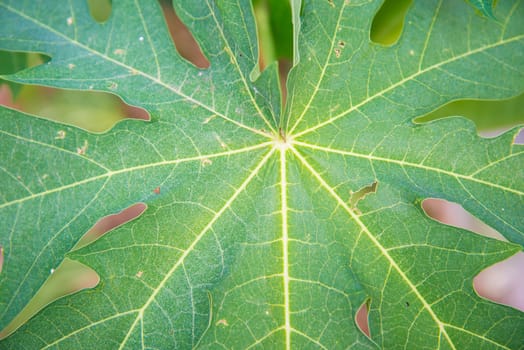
(252, 237)
(484, 6)
(296, 9)
(11, 62)
(275, 28)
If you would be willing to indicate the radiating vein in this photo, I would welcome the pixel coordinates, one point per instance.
(261, 340)
(496, 215)
(155, 80)
(53, 147)
(403, 163)
(88, 326)
(16, 179)
(314, 341)
(322, 73)
(403, 81)
(49, 243)
(428, 36)
(148, 36)
(477, 336)
(111, 173)
(237, 67)
(285, 248)
(384, 252)
(192, 246)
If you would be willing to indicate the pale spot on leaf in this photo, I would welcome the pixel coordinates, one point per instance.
(222, 143)
(60, 135)
(222, 322)
(83, 149)
(207, 120)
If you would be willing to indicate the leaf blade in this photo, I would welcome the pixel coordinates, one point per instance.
(251, 237)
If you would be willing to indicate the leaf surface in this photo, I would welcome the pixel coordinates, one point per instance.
(484, 6)
(252, 237)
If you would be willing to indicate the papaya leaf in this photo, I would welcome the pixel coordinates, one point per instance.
(484, 6)
(266, 226)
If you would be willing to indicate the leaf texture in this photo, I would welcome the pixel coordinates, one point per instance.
(484, 6)
(250, 238)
